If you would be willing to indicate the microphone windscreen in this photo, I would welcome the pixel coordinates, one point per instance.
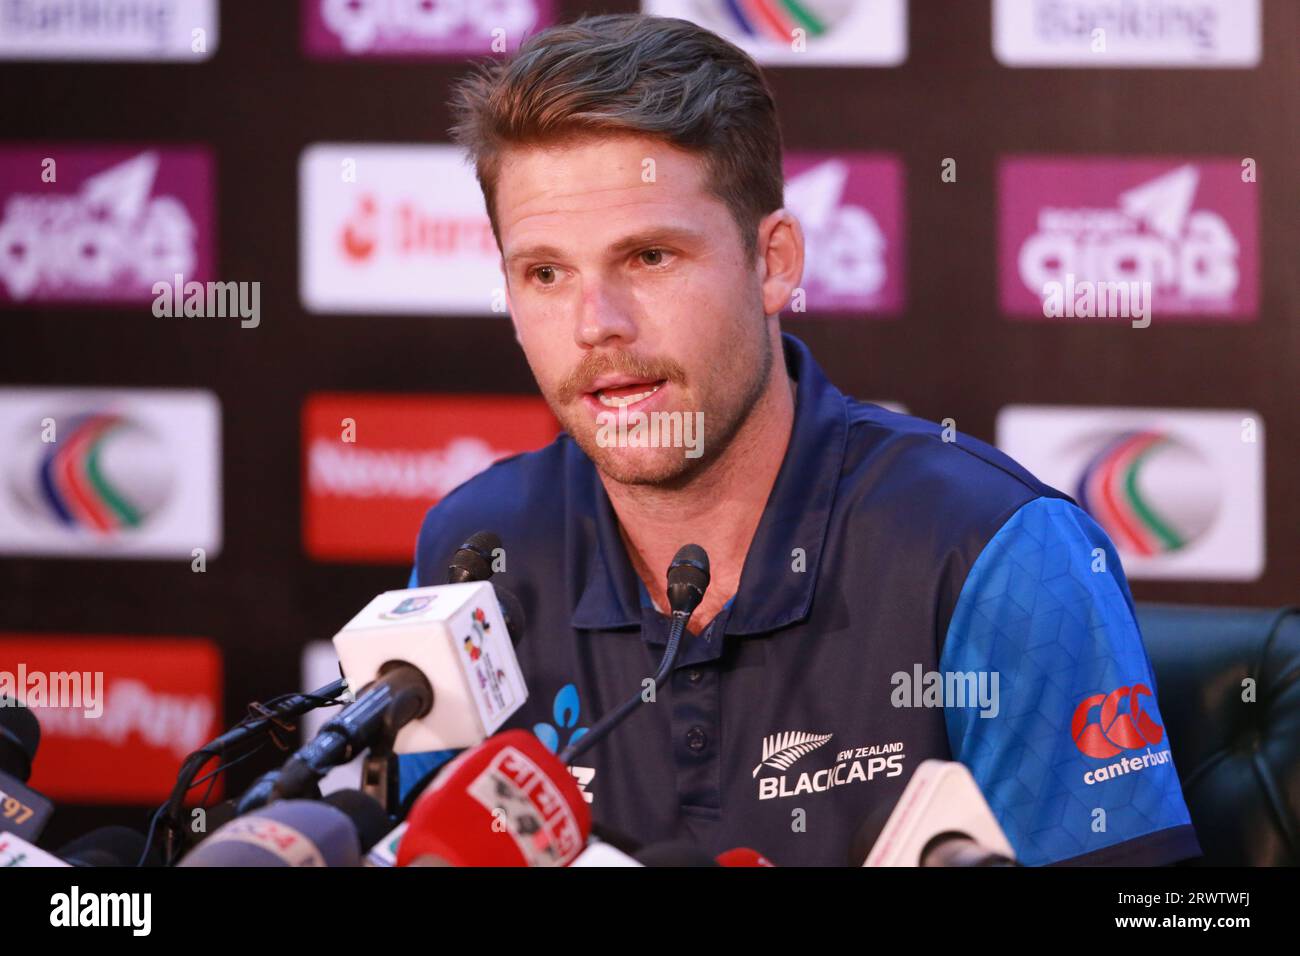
(867, 833)
(674, 853)
(688, 578)
(369, 818)
(512, 611)
(20, 735)
(743, 856)
(110, 846)
(473, 559)
(285, 833)
(507, 802)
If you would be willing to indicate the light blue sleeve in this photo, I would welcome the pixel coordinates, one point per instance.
(1073, 758)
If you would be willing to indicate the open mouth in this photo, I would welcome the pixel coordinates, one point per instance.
(624, 394)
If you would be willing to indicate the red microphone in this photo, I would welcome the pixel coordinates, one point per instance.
(743, 856)
(507, 802)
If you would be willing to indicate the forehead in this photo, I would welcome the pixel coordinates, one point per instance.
(595, 189)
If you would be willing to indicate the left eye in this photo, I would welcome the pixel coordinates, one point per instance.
(653, 257)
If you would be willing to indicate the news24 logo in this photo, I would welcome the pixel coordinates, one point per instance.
(376, 463)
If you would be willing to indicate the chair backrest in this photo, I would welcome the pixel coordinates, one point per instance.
(1228, 683)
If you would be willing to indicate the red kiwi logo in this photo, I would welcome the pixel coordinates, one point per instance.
(1114, 731)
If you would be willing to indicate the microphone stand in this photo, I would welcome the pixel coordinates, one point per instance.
(238, 736)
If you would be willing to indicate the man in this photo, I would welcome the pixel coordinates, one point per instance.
(880, 594)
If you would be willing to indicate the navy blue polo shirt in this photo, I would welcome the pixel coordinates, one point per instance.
(909, 594)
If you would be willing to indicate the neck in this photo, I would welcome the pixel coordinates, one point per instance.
(719, 508)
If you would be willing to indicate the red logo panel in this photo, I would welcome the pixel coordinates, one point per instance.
(126, 711)
(374, 464)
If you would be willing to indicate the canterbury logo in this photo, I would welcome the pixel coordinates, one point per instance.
(1113, 731)
(781, 750)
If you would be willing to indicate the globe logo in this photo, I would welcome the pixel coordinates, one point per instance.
(773, 21)
(1152, 493)
(105, 476)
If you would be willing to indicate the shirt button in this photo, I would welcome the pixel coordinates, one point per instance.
(694, 676)
(696, 739)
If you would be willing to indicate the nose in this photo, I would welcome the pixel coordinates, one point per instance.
(606, 315)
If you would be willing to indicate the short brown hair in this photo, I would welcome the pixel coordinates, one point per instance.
(638, 74)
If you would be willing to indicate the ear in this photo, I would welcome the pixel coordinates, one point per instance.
(780, 259)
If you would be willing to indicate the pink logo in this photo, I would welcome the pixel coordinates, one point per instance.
(102, 225)
(334, 29)
(1188, 227)
(851, 208)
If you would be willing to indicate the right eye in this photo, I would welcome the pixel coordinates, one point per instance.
(546, 275)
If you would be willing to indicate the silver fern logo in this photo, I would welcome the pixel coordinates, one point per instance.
(780, 751)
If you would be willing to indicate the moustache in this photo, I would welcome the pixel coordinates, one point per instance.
(595, 364)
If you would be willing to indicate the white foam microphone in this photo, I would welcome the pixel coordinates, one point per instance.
(942, 819)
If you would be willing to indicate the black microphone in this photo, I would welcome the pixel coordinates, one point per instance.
(512, 612)
(179, 833)
(676, 853)
(365, 812)
(23, 811)
(20, 735)
(473, 559)
(400, 695)
(688, 579)
(110, 846)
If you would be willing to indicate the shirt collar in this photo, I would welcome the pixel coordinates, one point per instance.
(772, 593)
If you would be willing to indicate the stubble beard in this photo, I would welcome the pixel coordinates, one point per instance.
(725, 413)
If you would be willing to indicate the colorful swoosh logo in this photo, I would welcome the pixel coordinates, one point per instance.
(775, 19)
(1110, 490)
(73, 482)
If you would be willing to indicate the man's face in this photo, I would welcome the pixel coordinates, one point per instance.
(629, 287)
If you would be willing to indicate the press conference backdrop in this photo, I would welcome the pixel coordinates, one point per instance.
(189, 503)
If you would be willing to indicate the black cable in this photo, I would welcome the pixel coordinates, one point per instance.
(250, 724)
(211, 777)
(611, 720)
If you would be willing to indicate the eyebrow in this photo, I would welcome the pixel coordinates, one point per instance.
(646, 238)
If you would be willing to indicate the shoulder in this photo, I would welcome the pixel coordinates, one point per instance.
(930, 496)
(928, 472)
